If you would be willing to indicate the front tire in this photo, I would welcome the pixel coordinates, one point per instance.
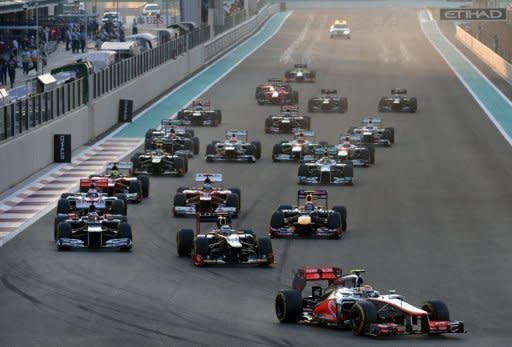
(184, 242)
(362, 313)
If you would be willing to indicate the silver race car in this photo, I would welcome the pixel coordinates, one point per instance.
(235, 147)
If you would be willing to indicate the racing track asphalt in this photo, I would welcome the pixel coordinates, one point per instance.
(431, 219)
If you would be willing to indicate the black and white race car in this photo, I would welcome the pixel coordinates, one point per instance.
(288, 121)
(371, 132)
(200, 113)
(159, 162)
(235, 147)
(329, 101)
(224, 244)
(326, 170)
(398, 102)
(173, 137)
(300, 73)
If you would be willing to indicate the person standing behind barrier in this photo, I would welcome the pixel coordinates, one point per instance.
(75, 43)
(34, 56)
(68, 38)
(83, 41)
(11, 69)
(15, 47)
(135, 29)
(3, 67)
(25, 61)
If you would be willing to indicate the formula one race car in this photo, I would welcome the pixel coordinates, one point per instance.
(224, 245)
(311, 217)
(200, 113)
(235, 147)
(173, 138)
(159, 162)
(329, 101)
(121, 182)
(289, 121)
(345, 302)
(76, 205)
(207, 201)
(361, 155)
(94, 231)
(276, 92)
(371, 132)
(300, 73)
(326, 170)
(301, 148)
(340, 29)
(398, 102)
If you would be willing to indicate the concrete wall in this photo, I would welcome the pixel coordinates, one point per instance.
(495, 61)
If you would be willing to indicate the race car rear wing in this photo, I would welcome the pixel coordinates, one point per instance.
(174, 122)
(100, 183)
(329, 91)
(398, 91)
(289, 108)
(124, 167)
(201, 102)
(305, 133)
(309, 274)
(275, 80)
(317, 194)
(236, 132)
(373, 121)
(300, 66)
(214, 177)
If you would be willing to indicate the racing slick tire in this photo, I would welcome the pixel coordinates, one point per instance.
(144, 184)
(437, 310)
(362, 313)
(414, 104)
(389, 134)
(371, 150)
(63, 206)
(201, 247)
(122, 197)
(184, 242)
(58, 219)
(124, 231)
(342, 210)
(238, 192)
(119, 207)
(257, 149)
(180, 199)
(135, 187)
(303, 170)
(276, 150)
(381, 107)
(179, 165)
(195, 145)
(348, 170)
(232, 201)
(276, 221)
(288, 306)
(268, 125)
(210, 150)
(64, 232)
(135, 161)
(265, 248)
(334, 220)
(251, 152)
(219, 116)
(311, 105)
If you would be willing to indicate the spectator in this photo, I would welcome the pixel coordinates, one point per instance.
(68, 38)
(46, 34)
(11, 69)
(32, 41)
(2, 68)
(121, 34)
(15, 47)
(135, 29)
(34, 55)
(83, 41)
(25, 61)
(75, 42)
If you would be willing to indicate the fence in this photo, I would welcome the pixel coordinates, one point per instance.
(34, 110)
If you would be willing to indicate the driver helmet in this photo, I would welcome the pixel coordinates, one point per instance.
(92, 192)
(222, 221)
(233, 138)
(287, 114)
(300, 138)
(225, 229)
(207, 185)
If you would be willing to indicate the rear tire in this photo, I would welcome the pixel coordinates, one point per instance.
(180, 199)
(277, 220)
(125, 231)
(288, 306)
(265, 247)
(144, 183)
(201, 247)
(119, 207)
(342, 210)
(63, 206)
(257, 149)
(195, 145)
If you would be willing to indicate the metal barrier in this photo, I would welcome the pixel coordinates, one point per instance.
(33, 110)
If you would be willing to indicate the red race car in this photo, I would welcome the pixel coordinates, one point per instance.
(207, 200)
(276, 92)
(346, 302)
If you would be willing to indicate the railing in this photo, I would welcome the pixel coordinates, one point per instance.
(33, 110)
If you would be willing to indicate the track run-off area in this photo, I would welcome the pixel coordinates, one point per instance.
(430, 219)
